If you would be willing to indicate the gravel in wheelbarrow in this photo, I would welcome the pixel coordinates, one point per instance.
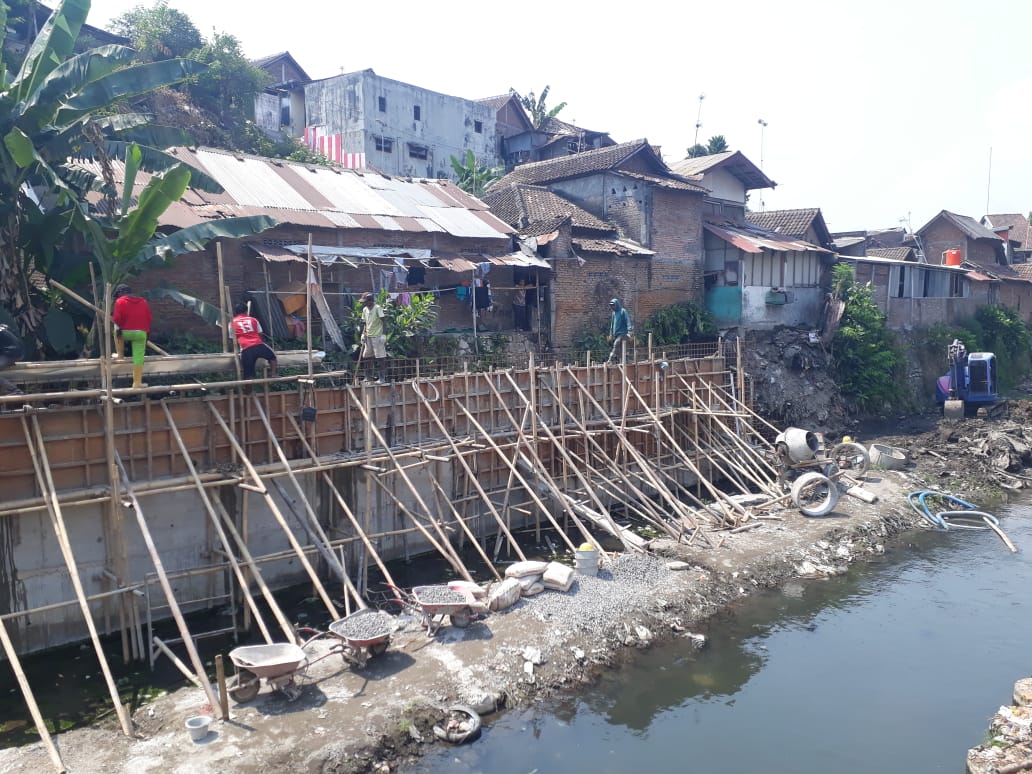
(364, 627)
(440, 596)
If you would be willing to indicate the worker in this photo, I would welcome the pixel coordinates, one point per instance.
(520, 319)
(11, 351)
(374, 338)
(248, 332)
(132, 318)
(620, 330)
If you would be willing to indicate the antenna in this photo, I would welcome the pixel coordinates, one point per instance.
(698, 121)
(988, 179)
(763, 126)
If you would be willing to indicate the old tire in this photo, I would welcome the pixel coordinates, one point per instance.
(461, 619)
(377, 649)
(852, 458)
(244, 686)
(815, 494)
(467, 731)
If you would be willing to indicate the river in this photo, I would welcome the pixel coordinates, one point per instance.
(896, 666)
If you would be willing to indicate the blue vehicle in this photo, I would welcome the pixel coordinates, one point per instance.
(970, 382)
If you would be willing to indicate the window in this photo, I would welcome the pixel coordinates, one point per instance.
(384, 144)
(956, 285)
(478, 127)
(415, 113)
(418, 151)
(381, 103)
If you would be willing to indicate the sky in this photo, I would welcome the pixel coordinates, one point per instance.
(881, 113)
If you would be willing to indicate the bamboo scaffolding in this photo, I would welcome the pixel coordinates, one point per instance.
(450, 556)
(470, 476)
(159, 568)
(318, 534)
(328, 480)
(277, 514)
(41, 464)
(30, 699)
(216, 524)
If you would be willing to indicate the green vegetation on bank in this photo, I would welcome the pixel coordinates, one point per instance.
(994, 328)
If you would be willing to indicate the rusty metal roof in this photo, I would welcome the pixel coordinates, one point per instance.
(753, 240)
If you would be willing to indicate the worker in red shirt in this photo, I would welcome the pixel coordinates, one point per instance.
(132, 318)
(248, 332)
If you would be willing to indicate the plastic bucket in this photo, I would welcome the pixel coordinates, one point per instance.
(586, 562)
(802, 445)
(198, 727)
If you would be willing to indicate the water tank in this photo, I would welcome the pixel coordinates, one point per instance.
(952, 257)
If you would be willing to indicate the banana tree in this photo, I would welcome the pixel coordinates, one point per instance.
(127, 241)
(61, 106)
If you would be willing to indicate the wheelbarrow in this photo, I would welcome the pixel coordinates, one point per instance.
(363, 635)
(279, 665)
(435, 603)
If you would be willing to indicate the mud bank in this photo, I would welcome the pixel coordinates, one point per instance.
(351, 719)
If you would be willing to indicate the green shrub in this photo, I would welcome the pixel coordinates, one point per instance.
(680, 323)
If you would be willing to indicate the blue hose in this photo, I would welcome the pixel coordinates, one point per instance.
(939, 518)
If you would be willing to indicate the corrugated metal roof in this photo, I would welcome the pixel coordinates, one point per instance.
(756, 242)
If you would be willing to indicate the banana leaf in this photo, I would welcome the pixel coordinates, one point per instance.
(204, 310)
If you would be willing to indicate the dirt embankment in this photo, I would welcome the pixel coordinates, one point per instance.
(369, 719)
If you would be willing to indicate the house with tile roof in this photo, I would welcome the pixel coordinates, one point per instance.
(279, 110)
(806, 224)
(728, 177)
(857, 243)
(1015, 230)
(577, 245)
(654, 215)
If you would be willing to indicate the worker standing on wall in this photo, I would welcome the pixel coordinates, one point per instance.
(248, 332)
(11, 351)
(132, 318)
(374, 337)
(620, 330)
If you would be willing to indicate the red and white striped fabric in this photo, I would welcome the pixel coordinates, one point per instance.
(332, 147)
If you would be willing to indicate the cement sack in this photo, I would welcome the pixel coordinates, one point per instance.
(528, 582)
(534, 588)
(504, 595)
(522, 569)
(557, 577)
(473, 589)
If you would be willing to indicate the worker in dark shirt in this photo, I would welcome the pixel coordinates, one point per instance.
(11, 351)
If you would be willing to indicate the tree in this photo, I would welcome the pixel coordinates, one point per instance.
(158, 32)
(539, 112)
(471, 177)
(57, 108)
(716, 144)
(226, 89)
(697, 150)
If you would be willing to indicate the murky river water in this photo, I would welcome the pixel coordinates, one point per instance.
(895, 667)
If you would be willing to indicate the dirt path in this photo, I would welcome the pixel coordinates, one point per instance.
(351, 719)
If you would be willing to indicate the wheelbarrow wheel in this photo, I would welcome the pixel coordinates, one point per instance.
(244, 686)
(461, 619)
(377, 649)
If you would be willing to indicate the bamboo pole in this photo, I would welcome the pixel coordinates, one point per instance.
(30, 699)
(318, 533)
(277, 514)
(223, 317)
(42, 468)
(89, 304)
(309, 276)
(470, 476)
(344, 505)
(452, 558)
(214, 518)
(159, 568)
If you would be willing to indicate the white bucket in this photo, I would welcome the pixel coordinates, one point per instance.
(802, 444)
(586, 562)
(198, 727)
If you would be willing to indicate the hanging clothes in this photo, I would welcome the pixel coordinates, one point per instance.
(416, 275)
(482, 296)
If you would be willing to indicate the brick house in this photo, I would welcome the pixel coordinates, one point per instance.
(756, 277)
(631, 189)
(1014, 229)
(585, 254)
(368, 232)
(280, 109)
(806, 224)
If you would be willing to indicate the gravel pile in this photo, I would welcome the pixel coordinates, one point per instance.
(622, 585)
(439, 595)
(364, 626)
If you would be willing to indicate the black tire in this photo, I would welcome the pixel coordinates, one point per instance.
(852, 458)
(244, 686)
(377, 649)
(461, 619)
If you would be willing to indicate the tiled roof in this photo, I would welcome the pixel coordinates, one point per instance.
(895, 253)
(524, 206)
(675, 183)
(734, 162)
(617, 247)
(494, 102)
(970, 227)
(752, 239)
(788, 222)
(578, 164)
(1020, 231)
